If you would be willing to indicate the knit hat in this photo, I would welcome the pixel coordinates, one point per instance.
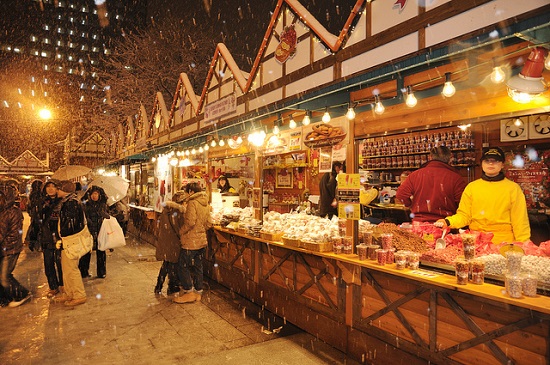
(493, 152)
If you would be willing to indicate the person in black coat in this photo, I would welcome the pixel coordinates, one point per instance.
(33, 208)
(327, 191)
(96, 210)
(48, 215)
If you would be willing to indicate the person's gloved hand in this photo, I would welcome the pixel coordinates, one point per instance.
(441, 223)
(58, 244)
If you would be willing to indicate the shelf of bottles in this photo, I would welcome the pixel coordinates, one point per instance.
(412, 151)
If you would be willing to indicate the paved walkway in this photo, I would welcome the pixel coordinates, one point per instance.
(123, 322)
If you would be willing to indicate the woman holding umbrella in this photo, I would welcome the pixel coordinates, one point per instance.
(96, 210)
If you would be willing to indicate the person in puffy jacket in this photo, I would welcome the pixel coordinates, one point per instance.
(71, 221)
(33, 208)
(96, 211)
(193, 244)
(168, 243)
(11, 245)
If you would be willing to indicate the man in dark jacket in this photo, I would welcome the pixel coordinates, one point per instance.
(71, 221)
(327, 191)
(433, 191)
(11, 245)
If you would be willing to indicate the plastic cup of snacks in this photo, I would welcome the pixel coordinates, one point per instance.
(337, 244)
(400, 260)
(362, 252)
(342, 226)
(529, 284)
(387, 240)
(413, 260)
(462, 269)
(381, 255)
(347, 242)
(367, 237)
(468, 244)
(514, 285)
(390, 256)
(513, 262)
(371, 251)
(478, 272)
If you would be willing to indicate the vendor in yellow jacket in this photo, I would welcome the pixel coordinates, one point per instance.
(492, 203)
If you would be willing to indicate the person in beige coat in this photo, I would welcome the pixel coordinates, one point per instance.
(193, 244)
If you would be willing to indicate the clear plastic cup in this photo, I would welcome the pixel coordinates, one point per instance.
(381, 255)
(529, 284)
(514, 285)
(462, 270)
(371, 251)
(477, 272)
(347, 242)
(362, 252)
(413, 260)
(469, 246)
(400, 260)
(513, 262)
(367, 237)
(387, 240)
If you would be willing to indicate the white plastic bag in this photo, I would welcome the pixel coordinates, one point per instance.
(110, 235)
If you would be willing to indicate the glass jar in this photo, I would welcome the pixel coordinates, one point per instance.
(478, 272)
(513, 285)
(529, 284)
(400, 260)
(513, 262)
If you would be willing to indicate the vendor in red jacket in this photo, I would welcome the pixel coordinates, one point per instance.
(433, 191)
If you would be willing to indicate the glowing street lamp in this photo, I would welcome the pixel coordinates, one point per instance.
(45, 114)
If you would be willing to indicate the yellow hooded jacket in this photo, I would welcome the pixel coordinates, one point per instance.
(494, 206)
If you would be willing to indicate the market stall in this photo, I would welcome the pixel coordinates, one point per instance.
(378, 313)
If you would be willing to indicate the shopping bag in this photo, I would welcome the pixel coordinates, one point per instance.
(78, 244)
(110, 235)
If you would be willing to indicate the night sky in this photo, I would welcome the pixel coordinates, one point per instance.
(239, 24)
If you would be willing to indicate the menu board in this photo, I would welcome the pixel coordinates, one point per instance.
(531, 172)
(349, 206)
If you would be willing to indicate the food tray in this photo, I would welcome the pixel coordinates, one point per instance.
(242, 230)
(317, 246)
(271, 236)
(292, 242)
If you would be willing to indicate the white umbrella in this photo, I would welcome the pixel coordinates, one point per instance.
(69, 172)
(115, 187)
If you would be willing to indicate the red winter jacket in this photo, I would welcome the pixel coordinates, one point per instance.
(432, 192)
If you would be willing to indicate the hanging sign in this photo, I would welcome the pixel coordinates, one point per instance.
(287, 46)
(220, 108)
(349, 206)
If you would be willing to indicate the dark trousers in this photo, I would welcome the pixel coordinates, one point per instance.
(13, 290)
(52, 268)
(84, 264)
(190, 269)
(169, 269)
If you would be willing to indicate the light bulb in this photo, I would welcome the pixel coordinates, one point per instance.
(213, 143)
(174, 161)
(379, 107)
(276, 129)
(239, 140)
(154, 159)
(201, 150)
(497, 76)
(292, 124)
(206, 147)
(326, 117)
(187, 153)
(307, 119)
(193, 151)
(350, 114)
(222, 142)
(448, 89)
(411, 99)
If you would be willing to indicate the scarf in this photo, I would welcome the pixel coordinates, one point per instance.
(499, 177)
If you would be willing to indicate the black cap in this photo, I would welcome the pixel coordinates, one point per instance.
(493, 152)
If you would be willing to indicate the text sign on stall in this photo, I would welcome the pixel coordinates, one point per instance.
(220, 108)
(349, 186)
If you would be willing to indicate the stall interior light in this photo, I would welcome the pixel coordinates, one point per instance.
(153, 159)
(292, 124)
(193, 151)
(464, 127)
(174, 161)
(307, 118)
(411, 100)
(187, 153)
(276, 130)
(529, 83)
(326, 116)
(201, 150)
(239, 140)
(378, 106)
(350, 113)
(257, 138)
(448, 88)
(497, 76)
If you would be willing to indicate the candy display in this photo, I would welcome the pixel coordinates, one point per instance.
(529, 285)
(468, 245)
(400, 260)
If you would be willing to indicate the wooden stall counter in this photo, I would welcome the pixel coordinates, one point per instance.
(143, 221)
(378, 314)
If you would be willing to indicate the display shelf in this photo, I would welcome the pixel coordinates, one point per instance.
(409, 167)
(286, 166)
(368, 157)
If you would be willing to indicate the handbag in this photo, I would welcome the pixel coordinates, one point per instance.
(78, 244)
(110, 235)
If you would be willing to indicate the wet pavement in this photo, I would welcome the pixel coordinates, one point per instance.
(124, 322)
